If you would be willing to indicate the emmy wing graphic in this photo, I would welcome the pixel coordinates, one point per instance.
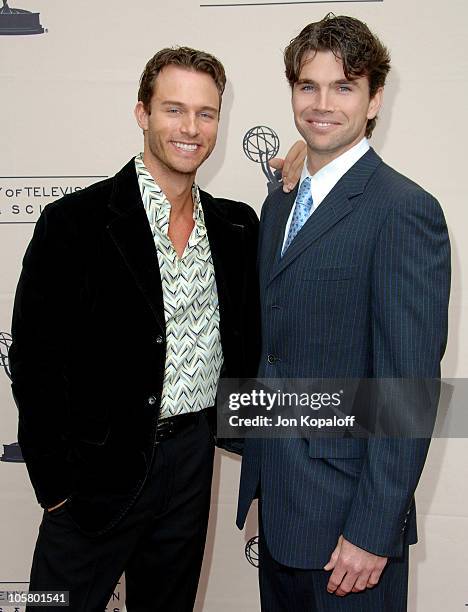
(261, 144)
(11, 452)
(18, 22)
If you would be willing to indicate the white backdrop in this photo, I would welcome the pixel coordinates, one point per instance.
(67, 97)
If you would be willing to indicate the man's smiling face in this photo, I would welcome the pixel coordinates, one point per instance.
(182, 123)
(330, 111)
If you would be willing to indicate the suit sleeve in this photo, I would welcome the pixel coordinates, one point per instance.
(410, 294)
(43, 315)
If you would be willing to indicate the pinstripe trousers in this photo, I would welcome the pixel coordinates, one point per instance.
(288, 589)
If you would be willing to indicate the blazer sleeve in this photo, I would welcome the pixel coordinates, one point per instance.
(410, 295)
(251, 300)
(250, 315)
(44, 310)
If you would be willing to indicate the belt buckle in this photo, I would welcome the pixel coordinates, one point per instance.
(164, 430)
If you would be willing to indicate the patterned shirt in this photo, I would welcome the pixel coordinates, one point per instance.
(193, 344)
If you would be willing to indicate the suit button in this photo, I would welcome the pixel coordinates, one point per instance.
(159, 340)
(152, 400)
(271, 359)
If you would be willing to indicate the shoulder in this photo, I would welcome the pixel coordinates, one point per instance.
(277, 198)
(232, 211)
(75, 215)
(405, 206)
(400, 193)
(79, 204)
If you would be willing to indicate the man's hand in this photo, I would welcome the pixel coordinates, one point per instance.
(57, 506)
(291, 166)
(354, 569)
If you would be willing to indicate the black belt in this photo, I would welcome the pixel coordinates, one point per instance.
(170, 427)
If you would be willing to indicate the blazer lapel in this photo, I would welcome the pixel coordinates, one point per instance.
(132, 236)
(333, 209)
(224, 238)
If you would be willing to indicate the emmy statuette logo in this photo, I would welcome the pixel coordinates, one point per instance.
(261, 144)
(5, 343)
(11, 452)
(251, 551)
(18, 22)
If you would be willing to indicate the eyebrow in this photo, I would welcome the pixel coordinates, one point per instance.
(182, 105)
(338, 82)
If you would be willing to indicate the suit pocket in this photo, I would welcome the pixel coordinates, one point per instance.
(338, 448)
(330, 274)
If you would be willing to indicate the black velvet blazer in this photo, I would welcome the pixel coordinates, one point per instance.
(88, 351)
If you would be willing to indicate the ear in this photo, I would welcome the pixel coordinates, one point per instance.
(141, 115)
(375, 103)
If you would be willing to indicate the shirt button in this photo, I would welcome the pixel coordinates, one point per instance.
(152, 400)
(271, 359)
(159, 339)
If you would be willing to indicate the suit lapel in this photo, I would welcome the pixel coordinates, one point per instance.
(131, 233)
(335, 207)
(274, 234)
(224, 238)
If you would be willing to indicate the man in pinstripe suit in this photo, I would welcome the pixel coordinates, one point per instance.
(355, 274)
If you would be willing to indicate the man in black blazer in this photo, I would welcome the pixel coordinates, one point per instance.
(135, 294)
(354, 283)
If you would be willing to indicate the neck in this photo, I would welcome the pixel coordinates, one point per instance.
(316, 160)
(176, 185)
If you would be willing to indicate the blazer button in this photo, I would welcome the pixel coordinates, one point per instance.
(152, 400)
(159, 340)
(271, 359)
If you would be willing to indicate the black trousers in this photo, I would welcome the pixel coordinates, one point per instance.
(288, 589)
(159, 544)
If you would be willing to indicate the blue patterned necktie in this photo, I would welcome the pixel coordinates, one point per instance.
(301, 212)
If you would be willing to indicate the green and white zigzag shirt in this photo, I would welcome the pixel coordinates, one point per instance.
(193, 344)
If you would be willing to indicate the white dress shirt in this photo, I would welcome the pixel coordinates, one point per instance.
(323, 181)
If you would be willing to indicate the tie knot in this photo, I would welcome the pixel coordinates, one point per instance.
(304, 187)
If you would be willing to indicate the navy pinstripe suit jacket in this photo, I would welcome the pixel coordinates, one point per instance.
(361, 292)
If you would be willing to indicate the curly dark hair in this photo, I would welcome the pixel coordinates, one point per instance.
(185, 57)
(352, 42)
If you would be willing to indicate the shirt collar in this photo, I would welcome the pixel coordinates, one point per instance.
(157, 195)
(326, 178)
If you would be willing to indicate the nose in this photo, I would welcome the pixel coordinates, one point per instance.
(190, 125)
(323, 101)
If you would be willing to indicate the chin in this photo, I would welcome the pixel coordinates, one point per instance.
(184, 167)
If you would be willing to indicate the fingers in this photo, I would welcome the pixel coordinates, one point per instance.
(336, 578)
(374, 577)
(332, 562)
(277, 163)
(347, 584)
(344, 581)
(293, 164)
(361, 582)
(354, 569)
(334, 556)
